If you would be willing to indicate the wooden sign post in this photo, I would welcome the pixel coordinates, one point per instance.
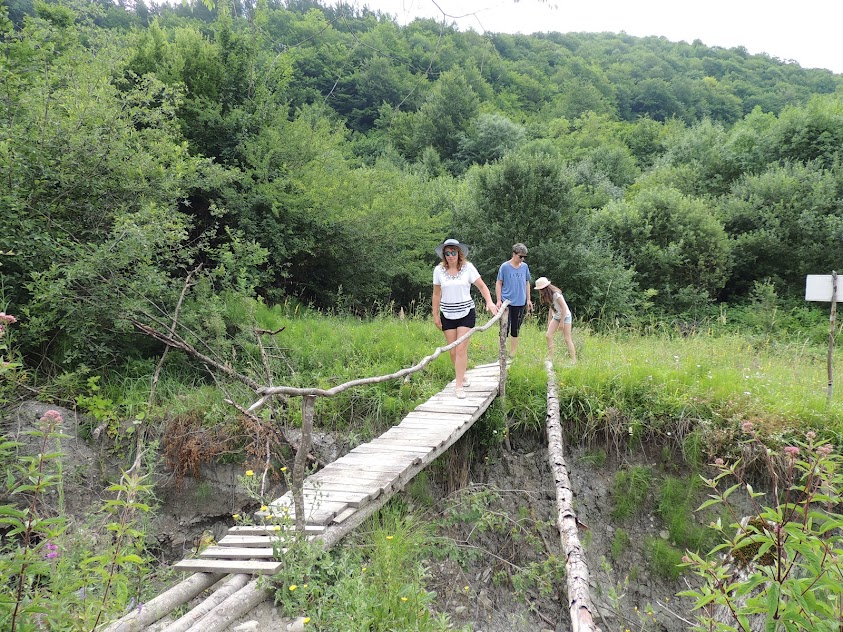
(823, 288)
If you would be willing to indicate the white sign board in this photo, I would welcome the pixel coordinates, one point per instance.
(818, 288)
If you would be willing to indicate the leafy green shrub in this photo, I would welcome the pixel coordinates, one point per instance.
(778, 566)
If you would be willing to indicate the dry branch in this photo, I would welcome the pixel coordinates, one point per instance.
(576, 570)
(177, 342)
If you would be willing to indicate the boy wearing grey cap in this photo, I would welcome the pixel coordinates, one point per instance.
(513, 284)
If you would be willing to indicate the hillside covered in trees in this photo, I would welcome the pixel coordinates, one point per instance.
(294, 151)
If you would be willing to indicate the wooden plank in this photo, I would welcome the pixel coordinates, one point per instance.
(339, 471)
(242, 553)
(367, 448)
(400, 440)
(269, 529)
(362, 493)
(228, 566)
(352, 500)
(437, 407)
(385, 448)
(439, 416)
(344, 515)
(386, 465)
(241, 541)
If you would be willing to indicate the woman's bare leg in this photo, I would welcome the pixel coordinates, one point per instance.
(461, 357)
(569, 340)
(552, 326)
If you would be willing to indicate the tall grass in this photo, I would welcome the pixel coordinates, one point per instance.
(629, 389)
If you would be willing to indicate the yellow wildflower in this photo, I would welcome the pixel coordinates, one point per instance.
(283, 469)
(363, 569)
(389, 537)
(293, 587)
(304, 585)
(306, 620)
(403, 599)
(465, 587)
(235, 516)
(264, 508)
(249, 473)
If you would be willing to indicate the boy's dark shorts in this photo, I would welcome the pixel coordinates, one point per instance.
(516, 315)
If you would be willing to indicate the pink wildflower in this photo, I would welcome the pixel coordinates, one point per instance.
(53, 416)
(792, 451)
(7, 319)
(686, 559)
(718, 461)
(811, 435)
(746, 426)
(52, 551)
(825, 450)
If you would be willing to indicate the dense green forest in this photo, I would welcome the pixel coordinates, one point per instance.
(293, 151)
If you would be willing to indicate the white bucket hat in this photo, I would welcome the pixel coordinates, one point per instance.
(542, 282)
(451, 242)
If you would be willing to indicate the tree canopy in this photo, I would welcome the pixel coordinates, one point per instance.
(274, 149)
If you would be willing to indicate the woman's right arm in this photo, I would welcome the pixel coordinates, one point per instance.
(437, 299)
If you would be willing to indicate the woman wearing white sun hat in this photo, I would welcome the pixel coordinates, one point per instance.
(559, 314)
(453, 307)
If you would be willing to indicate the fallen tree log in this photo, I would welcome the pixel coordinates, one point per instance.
(235, 606)
(164, 604)
(234, 583)
(576, 569)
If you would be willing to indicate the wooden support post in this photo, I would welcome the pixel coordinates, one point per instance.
(504, 330)
(307, 409)
(832, 321)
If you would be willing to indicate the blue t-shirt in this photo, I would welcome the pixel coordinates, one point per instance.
(514, 287)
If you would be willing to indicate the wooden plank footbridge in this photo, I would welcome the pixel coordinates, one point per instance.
(331, 502)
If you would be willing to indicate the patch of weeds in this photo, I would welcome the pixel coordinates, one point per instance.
(204, 492)
(677, 500)
(620, 543)
(541, 576)
(419, 489)
(595, 458)
(693, 449)
(664, 559)
(630, 491)
(379, 584)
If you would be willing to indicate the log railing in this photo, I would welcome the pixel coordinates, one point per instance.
(218, 611)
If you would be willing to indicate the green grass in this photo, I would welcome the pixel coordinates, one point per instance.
(664, 559)
(629, 390)
(631, 491)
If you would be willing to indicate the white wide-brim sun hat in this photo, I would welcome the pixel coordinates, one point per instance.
(542, 282)
(451, 242)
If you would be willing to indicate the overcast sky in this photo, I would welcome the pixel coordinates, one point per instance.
(805, 31)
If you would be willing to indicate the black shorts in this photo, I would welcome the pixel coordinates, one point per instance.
(516, 316)
(466, 321)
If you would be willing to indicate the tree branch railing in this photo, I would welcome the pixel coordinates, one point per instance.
(310, 395)
(243, 600)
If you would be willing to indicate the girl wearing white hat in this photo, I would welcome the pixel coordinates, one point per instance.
(453, 307)
(559, 314)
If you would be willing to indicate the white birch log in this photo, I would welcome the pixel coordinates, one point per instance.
(576, 569)
(235, 606)
(234, 583)
(164, 603)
